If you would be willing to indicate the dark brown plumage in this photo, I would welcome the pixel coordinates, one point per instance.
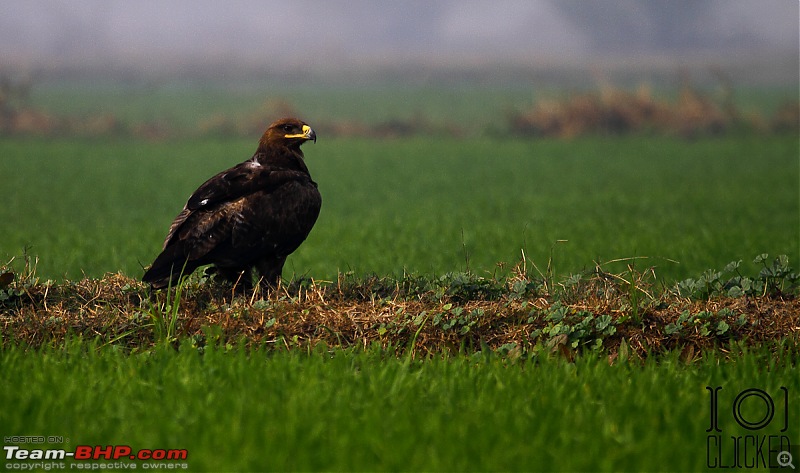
(251, 216)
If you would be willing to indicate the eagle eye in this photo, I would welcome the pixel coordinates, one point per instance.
(287, 128)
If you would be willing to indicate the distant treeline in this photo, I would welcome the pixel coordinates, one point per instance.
(605, 110)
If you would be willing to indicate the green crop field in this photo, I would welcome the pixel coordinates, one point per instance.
(424, 205)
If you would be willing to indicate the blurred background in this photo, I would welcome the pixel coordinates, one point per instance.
(252, 56)
(151, 39)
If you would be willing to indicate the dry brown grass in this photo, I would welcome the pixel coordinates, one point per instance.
(402, 316)
(615, 111)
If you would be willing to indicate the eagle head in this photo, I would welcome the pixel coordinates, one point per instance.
(289, 132)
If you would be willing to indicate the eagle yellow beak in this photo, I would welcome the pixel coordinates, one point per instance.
(307, 134)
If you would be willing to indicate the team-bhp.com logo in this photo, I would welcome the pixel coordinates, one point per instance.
(756, 435)
(18, 458)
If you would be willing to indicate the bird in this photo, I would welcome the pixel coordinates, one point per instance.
(247, 219)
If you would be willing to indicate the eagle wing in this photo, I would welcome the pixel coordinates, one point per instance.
(218, 199)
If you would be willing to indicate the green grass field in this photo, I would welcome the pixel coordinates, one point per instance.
(363, 411)
(424, 205)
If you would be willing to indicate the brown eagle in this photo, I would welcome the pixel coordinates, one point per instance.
(251, 216)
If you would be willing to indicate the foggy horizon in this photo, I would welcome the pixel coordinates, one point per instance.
(154, 38)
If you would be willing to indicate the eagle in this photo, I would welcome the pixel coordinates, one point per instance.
(249, 217)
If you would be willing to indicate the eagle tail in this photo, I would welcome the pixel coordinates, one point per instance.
(169, 267)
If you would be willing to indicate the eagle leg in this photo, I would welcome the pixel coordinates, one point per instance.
(270, 270)
(239, 278)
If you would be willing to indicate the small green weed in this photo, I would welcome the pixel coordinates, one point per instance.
(704, 323)
(776, 278)
(573, 329)
(16, 283)
(163, 312)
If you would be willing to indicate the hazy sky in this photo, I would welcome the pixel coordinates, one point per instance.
(344, 33)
